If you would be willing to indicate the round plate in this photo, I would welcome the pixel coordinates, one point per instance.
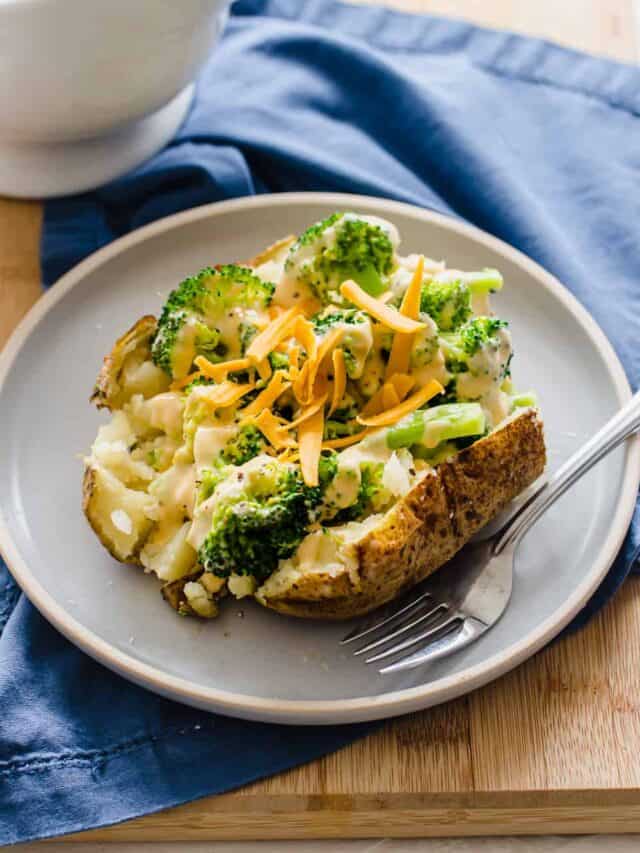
(251, 662)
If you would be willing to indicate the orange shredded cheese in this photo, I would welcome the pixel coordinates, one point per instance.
(344, 441)
(178, 384)
(386, 315)
(339, 379)
(273, 430)
(276, 331)
(306, 413)
(219, 372)
(410, 307)
(226, 394)
(300, 384)
(390, 397)
(306, 385)
(403, 383)
(391, 416)
(267, 397)
(310, 444)
(264, 369)
(294, 361)
(303, 332)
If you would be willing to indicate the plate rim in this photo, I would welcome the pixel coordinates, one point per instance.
(332, 711)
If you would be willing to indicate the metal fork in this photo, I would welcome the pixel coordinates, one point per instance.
(459, 603)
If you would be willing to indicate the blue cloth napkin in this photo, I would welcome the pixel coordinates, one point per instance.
(534, 143)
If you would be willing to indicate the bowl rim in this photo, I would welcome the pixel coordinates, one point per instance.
(335, 710)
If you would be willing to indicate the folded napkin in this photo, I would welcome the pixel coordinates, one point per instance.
(536, 144)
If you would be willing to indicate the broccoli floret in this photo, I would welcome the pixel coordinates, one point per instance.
(247, 443)
(446, 302)
(331, 317)
(357, 339)
(476, 335)
(209, 479)
(264, 522)
(372, 495)
(479, 332)
(343, 247)
(425, 344)
(187, 324)
(247, 333)
(278, 360)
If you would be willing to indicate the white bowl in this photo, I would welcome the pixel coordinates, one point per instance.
(90, 89)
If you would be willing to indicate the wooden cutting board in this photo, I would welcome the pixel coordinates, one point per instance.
(554, 747)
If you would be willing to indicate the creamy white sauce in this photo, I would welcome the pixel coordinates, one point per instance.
(357, 340)
(175, 491)
(436, 369)
(209, 441)
(481, 304)
(165, 412)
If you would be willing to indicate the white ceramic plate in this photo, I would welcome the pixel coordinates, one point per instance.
(250, 662)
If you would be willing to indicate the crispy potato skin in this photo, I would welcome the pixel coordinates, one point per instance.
(107, 393)
(429, 525)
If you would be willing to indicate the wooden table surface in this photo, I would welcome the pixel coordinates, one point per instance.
(552, 747)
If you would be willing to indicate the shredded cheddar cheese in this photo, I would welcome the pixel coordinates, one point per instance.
(273, 430)
(219, 372)
(310, 445)
(403, 383)
(410, 307)
(276, 331)
(391, 416)
(264, 369)
(339, 379)
(266, 398)
(179, 384)
(303, 332)
(344, 441)
(307, 412)
(226, 394)
(390, 396)
(386, 315)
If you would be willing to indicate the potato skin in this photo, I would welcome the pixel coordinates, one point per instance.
(427, 527)
(107, 393)
(90, 498)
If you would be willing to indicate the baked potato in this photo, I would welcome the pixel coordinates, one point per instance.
(319, 428)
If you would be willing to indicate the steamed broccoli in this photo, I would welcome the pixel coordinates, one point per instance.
(447, 302)
(342, 247)
(357, 339)
(372, 494)
(247, 443)
(209, 479)
(480, 332)
(254, 527)
(187, 324)
(476, 335)
(332, 316)
(278, 360)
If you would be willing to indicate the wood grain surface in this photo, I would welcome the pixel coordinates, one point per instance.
(552, 747)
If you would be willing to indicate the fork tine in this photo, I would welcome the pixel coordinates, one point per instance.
(429, 634)
(451, 642)
(407, 626)
(385, 616)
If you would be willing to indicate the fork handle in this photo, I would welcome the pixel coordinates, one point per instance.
(623, 424)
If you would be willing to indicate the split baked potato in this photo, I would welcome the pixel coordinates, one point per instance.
(319, 428)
